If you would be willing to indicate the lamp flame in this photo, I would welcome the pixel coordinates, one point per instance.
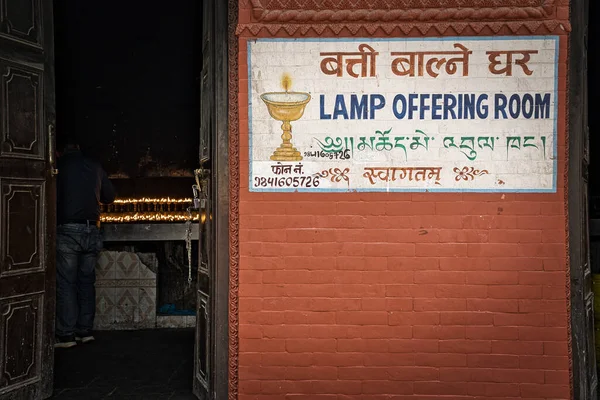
(286, 82)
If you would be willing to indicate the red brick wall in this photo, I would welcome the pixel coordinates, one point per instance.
(359, 296)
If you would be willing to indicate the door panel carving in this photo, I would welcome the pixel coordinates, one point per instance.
(21, 21)
(202, 339)
(21, 339)
(20, 244)
(22, 101)
(590, 360)
(27, 200)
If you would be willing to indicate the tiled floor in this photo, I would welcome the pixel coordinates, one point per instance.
(146, 364)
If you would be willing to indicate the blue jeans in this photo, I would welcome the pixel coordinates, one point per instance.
(77, 248)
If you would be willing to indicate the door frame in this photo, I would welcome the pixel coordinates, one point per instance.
(221, 198)
(228, 89)
(577, 67)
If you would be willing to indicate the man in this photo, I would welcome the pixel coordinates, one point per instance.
(81, 186)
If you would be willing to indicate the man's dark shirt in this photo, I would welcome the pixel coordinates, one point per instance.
(81, 186)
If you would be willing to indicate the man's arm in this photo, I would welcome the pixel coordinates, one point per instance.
(107, 190)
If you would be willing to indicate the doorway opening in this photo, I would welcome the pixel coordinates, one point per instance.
(128, 89)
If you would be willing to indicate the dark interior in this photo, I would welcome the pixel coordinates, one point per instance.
(127, 90)
(127, 78)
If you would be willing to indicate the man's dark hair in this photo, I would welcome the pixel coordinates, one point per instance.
(66, 142)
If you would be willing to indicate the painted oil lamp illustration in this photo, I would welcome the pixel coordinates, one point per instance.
(286, 107)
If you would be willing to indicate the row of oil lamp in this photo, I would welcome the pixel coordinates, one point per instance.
(147, 205)
(149, 209)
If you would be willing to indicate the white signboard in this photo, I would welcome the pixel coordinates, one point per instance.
(445, 115)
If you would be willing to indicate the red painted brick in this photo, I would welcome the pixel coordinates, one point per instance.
(399, 304)
(529, 390)
(492, 361)
(525, 319)
(464, 264)
(362, 317)
(463, 236)
(441, 277)
(541, 278)
(384, 277)
(515, 292)
(492, 332)
(548, 306)
(386, 359)
(286, 359)
(310, 345)
(441, 360)
(492, 305)
(554, 292)
(515, 236)
(447, 388)
(505, 390)
(493, 249)
(363, 345)
(360, 263)
(413, 263)
(467, 318)
(544, 362)
(440, 304)
(555, 264)
(559, 347)
(410, 208)
(413, 346)
(542, 333)
(489, 222)
(466, 346)
(455, 374)
(557, 377)
(308, 317)
(556, 319)
(492, 278)
(386, 386)
(438, 332)
(409, 290)
(553, 236)
(390, 249)
(461, 291)
(516, 264)
(338, 359)
(517, 347)
(377, 332)
(413, 318)
(517, 375)
(441, 249)
(436, 222)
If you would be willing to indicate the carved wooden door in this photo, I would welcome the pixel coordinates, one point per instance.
(585, 379)
(27, 208)
(589, 356)
(203, 354)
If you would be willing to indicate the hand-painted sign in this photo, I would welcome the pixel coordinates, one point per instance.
(448, 114)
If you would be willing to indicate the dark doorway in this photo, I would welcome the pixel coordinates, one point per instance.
(128, 91)
(128, 84)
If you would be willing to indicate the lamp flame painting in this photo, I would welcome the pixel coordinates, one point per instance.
(286, 106)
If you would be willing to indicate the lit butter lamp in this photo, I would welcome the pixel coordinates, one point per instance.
(286, 107)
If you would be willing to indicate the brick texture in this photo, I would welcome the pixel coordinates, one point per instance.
(402, 296)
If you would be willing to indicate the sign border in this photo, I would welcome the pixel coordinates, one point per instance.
(556, 40)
